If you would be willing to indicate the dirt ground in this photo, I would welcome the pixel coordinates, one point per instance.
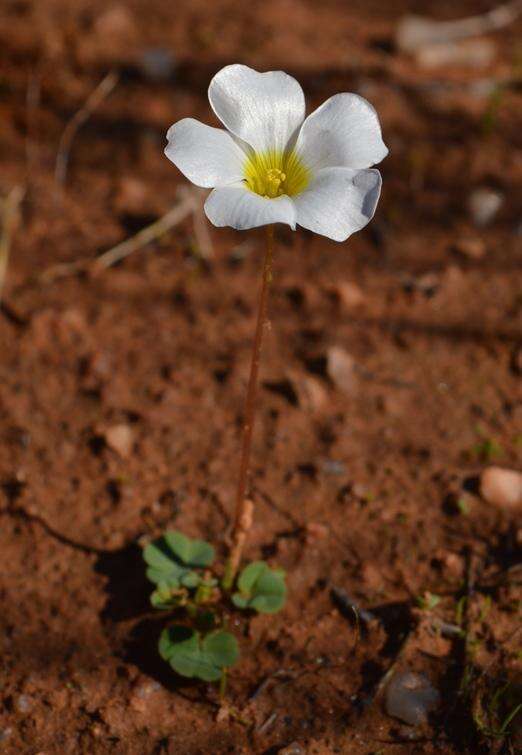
(390, 380)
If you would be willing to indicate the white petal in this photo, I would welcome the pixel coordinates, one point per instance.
(206, 156)
(339, 201)
(343, 132)
(238, 207)
(263, 109)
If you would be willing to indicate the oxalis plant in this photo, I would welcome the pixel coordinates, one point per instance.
(268, 165)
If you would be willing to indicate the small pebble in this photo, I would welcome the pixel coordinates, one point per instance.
(23, 703)
(483, 205)
(341, 369)
(120, 438)
(141, 694)
(452, 564)
(6, 734)
(473, 248)
(410, 697)
(501, 487)
(157, 63)
(97, 731)
(333, 467)
(147, 688)
(348, 294)
(311, 393)
(292, 749)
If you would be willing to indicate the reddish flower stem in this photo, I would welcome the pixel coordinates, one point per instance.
(244, 506)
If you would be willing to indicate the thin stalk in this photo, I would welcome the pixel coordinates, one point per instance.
(244, 506)
(9, 224)
(223, 684)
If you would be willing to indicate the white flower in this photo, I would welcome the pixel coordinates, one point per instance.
(272, 165)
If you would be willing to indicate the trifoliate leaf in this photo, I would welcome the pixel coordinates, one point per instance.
(191, 656)
(260, 588)
(190, 552)
(171, 557)
(163, 565)
(180, 646)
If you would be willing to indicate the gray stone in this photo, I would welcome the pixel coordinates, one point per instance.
(410, 697)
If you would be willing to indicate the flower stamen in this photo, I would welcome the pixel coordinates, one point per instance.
(274, 174)
(273, 180)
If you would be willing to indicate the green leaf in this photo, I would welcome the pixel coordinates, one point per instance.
(171, 557)
(221, 647)
(191, 656)
(191, 580)
(181, 648)
(260, 588)
(239, 601)
(190, 552)
(166, 597)
(250, 575)
(162, 600)
(163, 565)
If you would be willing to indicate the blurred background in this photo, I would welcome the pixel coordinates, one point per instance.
(447, 95)
(390, 381)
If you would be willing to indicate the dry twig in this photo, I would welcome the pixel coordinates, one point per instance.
(94, 100)
(10, 221)
(174, 216)
(179, 212)
(414, 32)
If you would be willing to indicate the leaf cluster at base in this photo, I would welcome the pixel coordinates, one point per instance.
(180, 568)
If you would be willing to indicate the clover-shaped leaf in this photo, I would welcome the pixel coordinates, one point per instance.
(171, 557)
(261, 588)
(192, 656)
(190, 552)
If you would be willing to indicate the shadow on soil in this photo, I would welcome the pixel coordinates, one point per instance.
(128, 592)
(127, 587)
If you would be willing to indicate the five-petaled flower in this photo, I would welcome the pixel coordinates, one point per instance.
(271, 165)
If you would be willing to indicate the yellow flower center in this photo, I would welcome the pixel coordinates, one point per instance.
(273, 174)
